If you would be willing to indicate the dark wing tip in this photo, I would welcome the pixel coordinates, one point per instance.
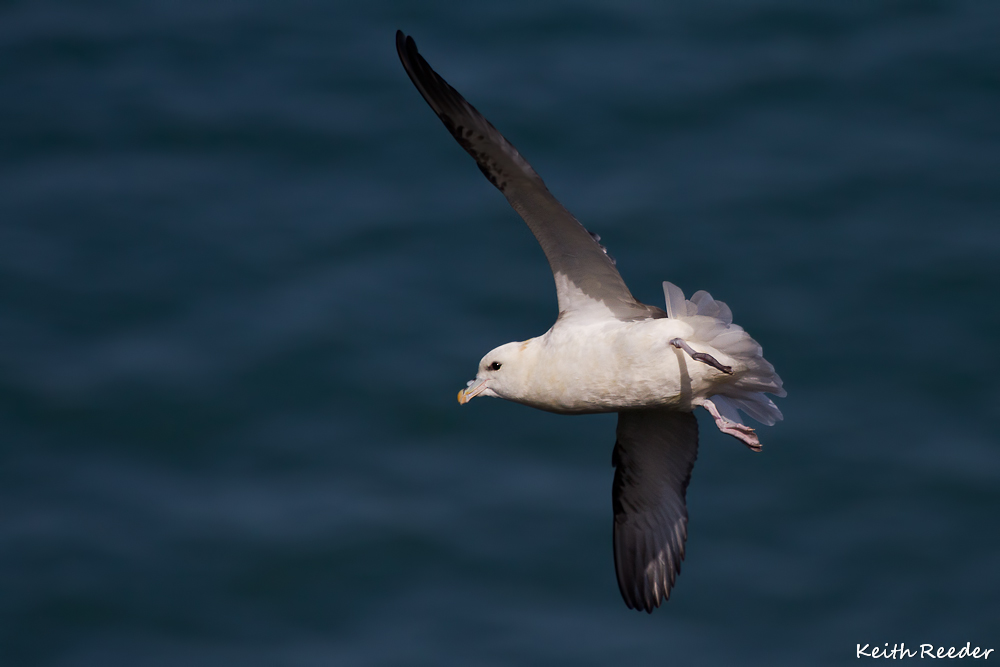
(434, 89)
(647, 561)
(653, 458)
(405, 47)
(497, 158)
(644, 580)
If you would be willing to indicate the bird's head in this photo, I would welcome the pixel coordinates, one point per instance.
(500, 374)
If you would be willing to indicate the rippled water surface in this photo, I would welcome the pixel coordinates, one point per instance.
(244, 270)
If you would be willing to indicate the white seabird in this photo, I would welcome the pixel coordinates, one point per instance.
(607, 352)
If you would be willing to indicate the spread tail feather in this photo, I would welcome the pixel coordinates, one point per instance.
(754, 376)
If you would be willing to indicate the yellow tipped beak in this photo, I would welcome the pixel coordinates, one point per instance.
(475, 388)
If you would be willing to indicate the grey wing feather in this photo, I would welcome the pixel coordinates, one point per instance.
(653, 457)
(587, 281)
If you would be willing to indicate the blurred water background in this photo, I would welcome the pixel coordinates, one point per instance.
(244, 271)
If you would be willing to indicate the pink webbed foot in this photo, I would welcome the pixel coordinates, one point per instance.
(741, 432)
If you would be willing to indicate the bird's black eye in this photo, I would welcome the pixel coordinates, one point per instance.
(495, 366)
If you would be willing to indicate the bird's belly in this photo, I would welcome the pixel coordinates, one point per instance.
(608, 368)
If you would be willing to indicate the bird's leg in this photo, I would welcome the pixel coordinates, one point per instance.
(703, 357)
(741, 432)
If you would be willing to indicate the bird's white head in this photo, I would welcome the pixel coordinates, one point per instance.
(500, 375)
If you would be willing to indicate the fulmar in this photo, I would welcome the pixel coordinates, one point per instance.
(607, 352)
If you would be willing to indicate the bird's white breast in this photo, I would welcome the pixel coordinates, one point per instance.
(611, 365)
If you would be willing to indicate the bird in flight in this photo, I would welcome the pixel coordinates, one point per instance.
(608, 352)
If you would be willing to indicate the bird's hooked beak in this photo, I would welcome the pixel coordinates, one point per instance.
(474, 388)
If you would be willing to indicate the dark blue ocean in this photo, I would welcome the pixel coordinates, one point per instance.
(244, 271)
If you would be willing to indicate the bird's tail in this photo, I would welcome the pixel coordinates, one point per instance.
(754, 376)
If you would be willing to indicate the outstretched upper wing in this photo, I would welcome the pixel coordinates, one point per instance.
(586, 279)
(653, 456)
